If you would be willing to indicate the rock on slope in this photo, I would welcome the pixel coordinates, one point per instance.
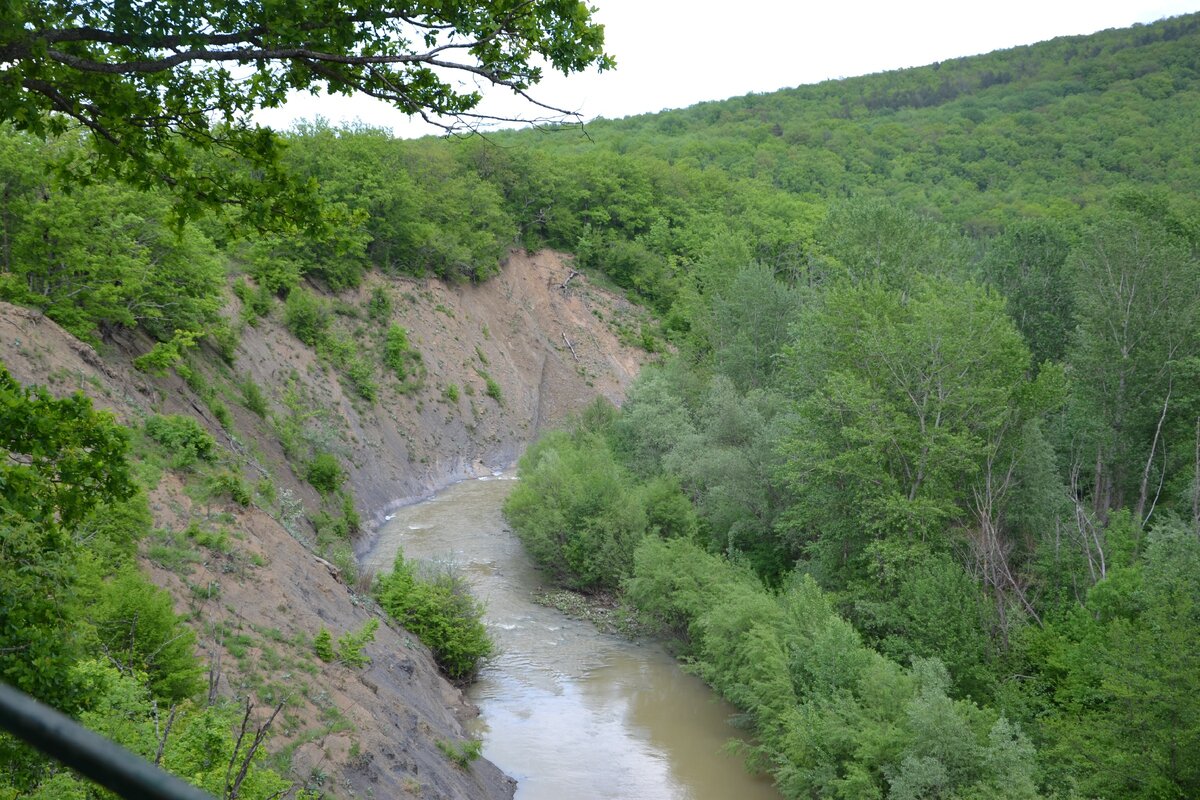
(251, 584)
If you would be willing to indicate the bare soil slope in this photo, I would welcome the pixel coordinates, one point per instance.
(247, 577)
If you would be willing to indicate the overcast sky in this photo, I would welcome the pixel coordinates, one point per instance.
(673, 53)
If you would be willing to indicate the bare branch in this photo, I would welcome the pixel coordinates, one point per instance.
(259, 737)
(162, 743)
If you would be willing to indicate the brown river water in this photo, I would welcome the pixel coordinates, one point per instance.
(570, 712)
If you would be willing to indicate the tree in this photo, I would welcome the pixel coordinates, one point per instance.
(1122, 676)
(138, 631)
(874, 240)
(910, 422)
(101, 256)
(577, 511)
(749, 325)
(727, 468)
(1137, 299)
(62, 458)
(1026, 263)
(59, 461)
(152, 82)
(443, 614)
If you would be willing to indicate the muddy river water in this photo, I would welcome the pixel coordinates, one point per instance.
(566, 710)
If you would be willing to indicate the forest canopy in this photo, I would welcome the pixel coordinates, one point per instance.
(157, 83)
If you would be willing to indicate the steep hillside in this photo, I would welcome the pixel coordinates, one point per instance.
(248, 577)
(513, 329)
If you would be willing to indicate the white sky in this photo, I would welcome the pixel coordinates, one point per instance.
(674, 53)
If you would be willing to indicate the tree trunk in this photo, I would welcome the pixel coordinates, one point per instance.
(1144, 490)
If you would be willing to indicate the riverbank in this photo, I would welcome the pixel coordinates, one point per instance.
(568, 707)
(604, 611)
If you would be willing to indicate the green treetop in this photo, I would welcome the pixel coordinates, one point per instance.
(152, 82)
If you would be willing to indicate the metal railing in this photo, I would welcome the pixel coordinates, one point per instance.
(93, 756)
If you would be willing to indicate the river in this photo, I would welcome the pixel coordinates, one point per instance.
(568, 711)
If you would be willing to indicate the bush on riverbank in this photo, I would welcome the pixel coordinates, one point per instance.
(580, 513)
(442, 613)
(834, 717)
(576, 511)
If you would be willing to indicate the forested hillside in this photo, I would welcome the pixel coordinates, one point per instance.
(915, 484)
(1032, 131)
(920, 490)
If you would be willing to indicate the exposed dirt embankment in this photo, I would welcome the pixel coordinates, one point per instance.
(498, 367)
(518, 329)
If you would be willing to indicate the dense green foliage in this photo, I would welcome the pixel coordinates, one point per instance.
(878, 456)
(99, 256)
(70, 590)
(166, 91)
(183, 438)
(579, 512)
(574, 513)
(325, 473)
(836, 718)
(1031, 131)
(443, 614)
(939, 441)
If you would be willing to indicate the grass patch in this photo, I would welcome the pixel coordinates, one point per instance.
(463, 753)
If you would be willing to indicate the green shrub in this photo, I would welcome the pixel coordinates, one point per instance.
(306, 317)
(256, 301)
(221, 412)
(231, 485)
(323, 645)
(442, 613)
(183, 438)
(379, 307)
(338, 349)
(452, 393)
(194, 380)
(362, 379)
(350, 644)
(253, 397)
(212, 539)
(341, 555)
(242, 290)
(265, 489)
(578, 512)
(461, 754)
(226, 338)
(333, 528)
(669, 513)
(324, 473)
(165, 355)
(493, 388)
(350, 514)
(398, 355)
